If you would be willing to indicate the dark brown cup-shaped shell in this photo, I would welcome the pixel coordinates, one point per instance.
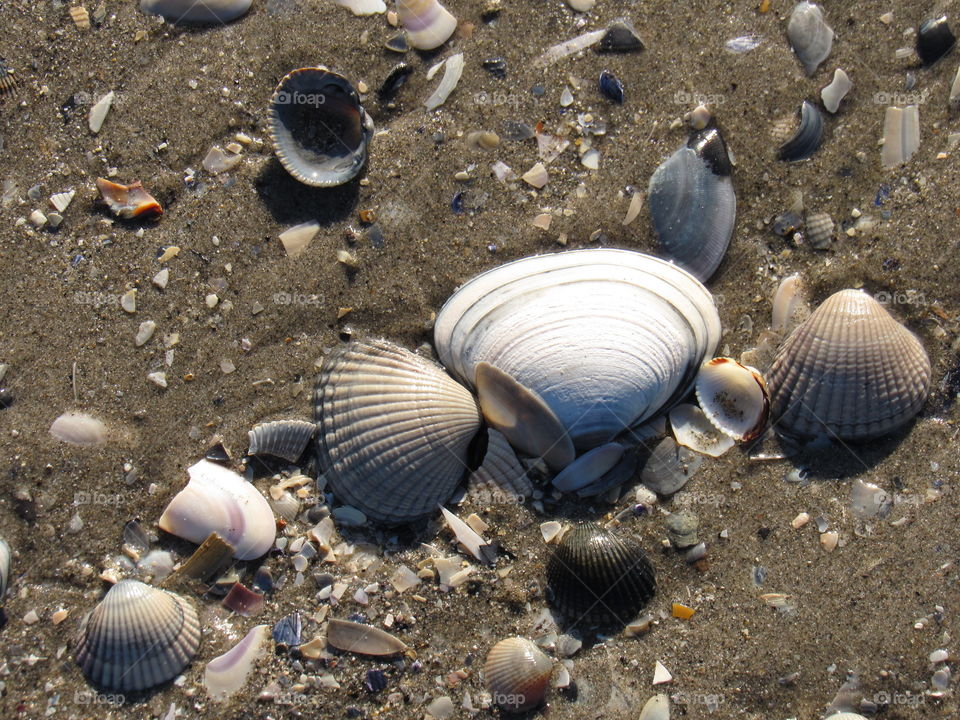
(599, 578)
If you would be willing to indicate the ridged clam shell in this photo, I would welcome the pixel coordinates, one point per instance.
(810, 36)
(599, 577)
(517, 674)
(693, 204)
(820, 230)
(285, 439)
(606, 338)
(138, 637)
(218, 500)
(850, 371)
(396, 434)
(501, 476)
(319, 129)
(733, 397)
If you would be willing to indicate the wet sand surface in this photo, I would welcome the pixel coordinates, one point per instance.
(876, 606)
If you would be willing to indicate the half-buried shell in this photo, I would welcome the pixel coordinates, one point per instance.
(286, 439)
(851, 371)
(517, 674)
(599, 578)
(733, 397)
(395, 434)
(138, 637)
(320, 131)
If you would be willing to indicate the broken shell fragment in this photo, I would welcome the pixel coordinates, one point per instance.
(789, 305)
(810, 36)
(934, 40)
(838, 88)
(138, 637)
(807, 138)
(363, 639)
(192, 12)
(428, 23)
(656, 708)
(319, 129)
(517, 674)
(901, 135)
(128, 201)
(286, 439)
(669, 467)
(210, 559)
(733, 397)
(694, 430)
(218, 500)
(227, 673)
(79, 429)
(620, 36)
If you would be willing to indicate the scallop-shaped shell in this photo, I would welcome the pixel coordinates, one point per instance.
(733, 397)
(692, 203)
(517, 674)
(138, 637)
(850, 371)
(599, 577)
(819, 230)
(396, 434)
(218, 500)
(320, 131)
(605, 338)
(810, 36)
(285, 439)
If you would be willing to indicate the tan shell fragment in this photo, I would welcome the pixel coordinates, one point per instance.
(363, 639)
(851, 371)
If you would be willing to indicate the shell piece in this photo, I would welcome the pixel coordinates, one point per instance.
(517, 674)
(218, 500)
(810, 36)
(128, 201)
(599, 577)
(210, 559)
(692, 429)
(428, 23)
(191, 12)
(789, 303)
(319, 129)
(227, 673)
(669, 467)
(934, 40)
(656, 708)
(693, 204)
(362, 639)
(733, 397)
(820, 230)
(589, 467)
(138, 637)
(452, 70)
(850, 371)
(611, 87)
(396, 434)
(901, 135)
(838, 88)
(605, 338)
(623, 471)
(79, 429)
(807, 138)
(285, 439)
(501, 476)
(4, 568)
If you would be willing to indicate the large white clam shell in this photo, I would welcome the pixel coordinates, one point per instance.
(138, 637)
(606, 338)
(395, 433)
(218, 500)
(850, 371)
(517, 674)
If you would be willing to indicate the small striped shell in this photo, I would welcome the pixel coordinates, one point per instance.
(138, 637)
(517, 674)
(395, 434)
(286, 439)
(599, 578)
(850, 371)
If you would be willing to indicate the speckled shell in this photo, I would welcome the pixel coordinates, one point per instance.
(138, 637)
(599, 578)
(850, 371)
(319, 129)
(517, 674)
(286, 439)
(693, 204)
(395, 434)
(810, 36)
(606, 338)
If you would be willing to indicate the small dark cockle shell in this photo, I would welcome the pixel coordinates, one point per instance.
(611, 87)
(808, 136)
(599, 578)
(286, 439)
(320, 131)
(934, 40)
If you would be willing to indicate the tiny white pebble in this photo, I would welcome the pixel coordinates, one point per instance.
(211, 300)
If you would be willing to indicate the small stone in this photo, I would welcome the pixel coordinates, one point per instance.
(682, 529)
(59, 616)
(158, 378)
(939, 656)
(542, 221)
(682, 611)
(800, 520)
(144, 332)
(128, 301)
(211, 300)
(660, 674)
(829, 540)
(566, 98)
(441, 708)
(169, 253)
(348, 259)
(161, 278)
(31, 617)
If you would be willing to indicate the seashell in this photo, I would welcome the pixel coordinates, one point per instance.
(128, 201)
(80, 17)
(452, 70)
(599, 578)
(398, 43)
(396, 435)
(394, 81)
(693, 204)
(838, 88)
(98, 112)
(319, 129)
(623, 471)
(789, 304)
(810, 36)
(807, 138)
(517, 674)
(733, 397)
(611, 87)
(901, 135)
(692, 429)
(869, 501)
(669, 467)
(7, 81)
(191, 12)
(4, 568)
(500, 477)
(227, 673)
(604, 338)
(620, 36)
(79, 429)
(850, 371)
(656, 708)
(589, 467)
(934, 40)
(428, 23)
(363, 8)
(820, 230)
(243, 601)
(218, 500)
(363, 639)
(285, 439)
(209, 560)
(137, 637)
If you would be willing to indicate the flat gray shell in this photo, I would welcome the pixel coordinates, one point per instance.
(693, 205)
(850, 371)
(285, 439)
(500, 477)
(810, 36)
(138, 637)
(669, 467)
(395, 433)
